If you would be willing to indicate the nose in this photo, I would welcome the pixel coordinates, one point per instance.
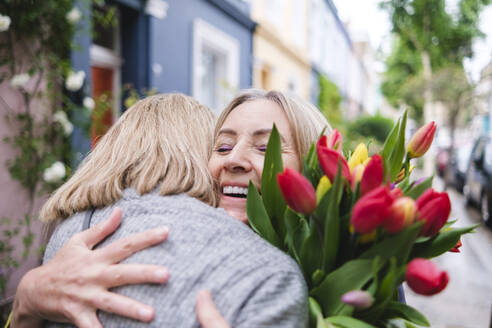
(238, 160)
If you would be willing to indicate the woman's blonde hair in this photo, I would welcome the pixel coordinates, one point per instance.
(306, 121)
(162, 141)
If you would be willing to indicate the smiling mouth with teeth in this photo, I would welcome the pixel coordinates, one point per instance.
(238, 192)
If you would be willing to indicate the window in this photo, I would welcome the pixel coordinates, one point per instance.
(215, 72)
(293, 85)
(266, 78)
(106, 74)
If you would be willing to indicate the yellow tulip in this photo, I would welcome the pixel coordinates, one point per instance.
(357, 173)
(359, 156)
(323, 186)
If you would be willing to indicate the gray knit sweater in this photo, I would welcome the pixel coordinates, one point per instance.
(253, 283)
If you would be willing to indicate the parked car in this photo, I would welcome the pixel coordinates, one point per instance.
(478, 183)
(458, 166)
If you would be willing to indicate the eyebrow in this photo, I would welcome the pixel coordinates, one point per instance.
(259, 132)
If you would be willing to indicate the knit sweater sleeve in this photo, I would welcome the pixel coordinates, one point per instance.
(278, 299)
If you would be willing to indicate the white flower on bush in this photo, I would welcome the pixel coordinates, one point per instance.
(4, 23)
(54, 173)
(89, 103)
(75, 81)
(74, 15)
(19, 80)
(61, 118)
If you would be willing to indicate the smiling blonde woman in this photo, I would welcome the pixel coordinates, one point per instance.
(153, 165)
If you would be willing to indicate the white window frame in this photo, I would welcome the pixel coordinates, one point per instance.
(206, 35)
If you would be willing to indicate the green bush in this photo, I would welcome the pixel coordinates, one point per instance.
(329, 100)
(371, 130)
(375, 126)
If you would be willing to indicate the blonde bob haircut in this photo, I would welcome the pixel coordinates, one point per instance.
(163, 141)
(306, 121)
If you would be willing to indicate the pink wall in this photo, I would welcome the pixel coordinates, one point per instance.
(13, 197)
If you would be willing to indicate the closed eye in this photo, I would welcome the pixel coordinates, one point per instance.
(223, 149)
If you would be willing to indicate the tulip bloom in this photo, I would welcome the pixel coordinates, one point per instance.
(297, 191)
(371, 210)
(329, 160)
(334, 141)
(401, 175)
(357, 175)
(424, 277)
(401, 214)
(455, 249)
(323, 186)
(359, 156)
(358, 298)
(373, 175)
(433, 208)
(421, 140)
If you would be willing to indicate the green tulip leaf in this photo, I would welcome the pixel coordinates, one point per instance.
(351, 275)
(310, 254)
(332, 223)
(310, 167)
(441, 243)
(273, 199)
(297, 231)
(348, 322)
(318, 277)
(400, 310)
(398, 152)
(315, 314)
(419, 189)
(390, 141)
(258, 217)
(398, 245)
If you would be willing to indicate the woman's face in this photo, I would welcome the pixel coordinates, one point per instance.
(239, 151)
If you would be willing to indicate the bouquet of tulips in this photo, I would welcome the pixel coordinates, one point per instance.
(357, 228)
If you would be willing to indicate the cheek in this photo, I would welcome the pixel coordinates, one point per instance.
(214, 166)
(292, 162)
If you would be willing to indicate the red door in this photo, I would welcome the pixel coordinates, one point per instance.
(102, 91)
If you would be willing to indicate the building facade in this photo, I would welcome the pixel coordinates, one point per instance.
(202, 48)
(280, 49)
(333, 53)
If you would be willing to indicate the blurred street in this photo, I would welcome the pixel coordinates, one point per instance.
(467, 300)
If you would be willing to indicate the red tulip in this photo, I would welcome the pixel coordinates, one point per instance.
(371, 210)
(329, 160)
(425, 278)
(373, 175)
(455, 249)
(401, 214)
(297, 191)
(421, 140)
(333, 141)
(433, 208)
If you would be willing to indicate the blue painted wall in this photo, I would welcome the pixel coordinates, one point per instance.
(171, 43)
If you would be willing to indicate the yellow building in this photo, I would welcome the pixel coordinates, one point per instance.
(280, 46)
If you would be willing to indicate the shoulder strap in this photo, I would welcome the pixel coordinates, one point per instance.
(87, 219)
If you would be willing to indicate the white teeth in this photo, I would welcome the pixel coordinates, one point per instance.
(235, 190)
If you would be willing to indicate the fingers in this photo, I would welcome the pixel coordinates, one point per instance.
(88, 320)
(123, 248)
(208, 314)
(130, 274)
(124, 306)
(97, 233)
